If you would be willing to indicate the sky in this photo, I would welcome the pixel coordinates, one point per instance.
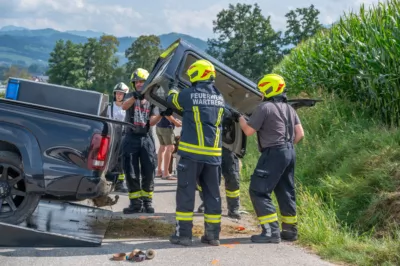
(135, 18)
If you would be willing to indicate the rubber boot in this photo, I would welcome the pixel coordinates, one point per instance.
(211, 234)
(289, 232)
(233, 208)
(181, 240)
(183, 234)
(270, 234)
(120, 186)
(136, 206)
(201, 208)
(148, 205)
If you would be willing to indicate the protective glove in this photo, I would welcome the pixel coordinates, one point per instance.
(167, 112)
(137, 95)
(235, 115)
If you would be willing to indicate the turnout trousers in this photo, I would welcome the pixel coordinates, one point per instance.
(139, 166)
(275, 173)
(231, 173)
(191, 173)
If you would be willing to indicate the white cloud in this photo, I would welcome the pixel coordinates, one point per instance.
(133, 18)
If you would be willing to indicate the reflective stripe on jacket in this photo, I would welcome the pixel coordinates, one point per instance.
(203, 108)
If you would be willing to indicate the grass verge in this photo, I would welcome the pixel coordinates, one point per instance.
(348, 185)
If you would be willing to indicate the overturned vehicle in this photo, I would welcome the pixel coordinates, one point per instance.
(240, 93)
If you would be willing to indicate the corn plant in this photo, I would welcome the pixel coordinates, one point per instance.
(357, 58)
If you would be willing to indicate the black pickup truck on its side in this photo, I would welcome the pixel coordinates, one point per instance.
(51, 151)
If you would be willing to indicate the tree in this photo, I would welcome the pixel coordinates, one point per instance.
(16, 72)
(89, 60)
(66, 65)
(302, 23)
(143, 53)
(105, 63)
(246, 41)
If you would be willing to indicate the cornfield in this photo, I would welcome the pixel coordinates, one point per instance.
(357, 58)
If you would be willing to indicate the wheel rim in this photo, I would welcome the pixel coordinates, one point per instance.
(12, 189)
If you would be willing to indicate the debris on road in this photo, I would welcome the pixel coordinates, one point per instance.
(136, 255)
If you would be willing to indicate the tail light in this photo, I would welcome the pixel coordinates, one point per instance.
(98, 152)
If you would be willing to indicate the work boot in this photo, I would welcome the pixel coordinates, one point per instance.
(234, 214)
(136, 206)
(181, 240)
(148, 205)
(289, 232)
(120, 186)
(201, 208)
(211, 234)
(270, 234)
(233, 208)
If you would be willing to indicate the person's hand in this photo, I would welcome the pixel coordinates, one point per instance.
(137, 95)
(167, 112)
(235, 115)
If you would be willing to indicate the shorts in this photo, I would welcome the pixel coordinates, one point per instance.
(165, 136)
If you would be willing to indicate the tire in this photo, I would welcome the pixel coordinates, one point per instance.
(25, 203)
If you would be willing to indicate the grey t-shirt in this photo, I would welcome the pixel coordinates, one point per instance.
(270, 125)
(139, 115)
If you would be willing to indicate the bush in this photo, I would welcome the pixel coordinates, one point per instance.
(357, 59)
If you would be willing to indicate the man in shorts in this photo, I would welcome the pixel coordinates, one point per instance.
(166, 137)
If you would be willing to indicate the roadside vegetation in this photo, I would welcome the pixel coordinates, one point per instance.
(348, 165)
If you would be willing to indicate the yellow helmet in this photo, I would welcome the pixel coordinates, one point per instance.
(139, 74)
(271, 85)
(201, 70)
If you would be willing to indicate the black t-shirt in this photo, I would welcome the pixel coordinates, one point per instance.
(139, 115)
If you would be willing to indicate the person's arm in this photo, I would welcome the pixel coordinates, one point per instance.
(247, 129)
(175, 121)
(128, 103)
(174, 100)
(298, 130)
(255, 122)
(155, 116)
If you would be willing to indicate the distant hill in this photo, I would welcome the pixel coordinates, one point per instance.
(24, 46)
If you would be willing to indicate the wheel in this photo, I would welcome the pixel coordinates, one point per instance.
(150, 254)
(16, 204)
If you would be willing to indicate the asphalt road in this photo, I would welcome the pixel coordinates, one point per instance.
(233, 251)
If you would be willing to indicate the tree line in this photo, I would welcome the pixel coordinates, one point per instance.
(246, 42)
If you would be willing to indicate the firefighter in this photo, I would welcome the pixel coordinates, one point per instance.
(116, 112)
(200, 153)
(278, 128)
(231, 174)
(139, 147)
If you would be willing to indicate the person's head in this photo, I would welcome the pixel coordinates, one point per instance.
(119, 91)
(271, 85)
(201, 70)
(138, 77)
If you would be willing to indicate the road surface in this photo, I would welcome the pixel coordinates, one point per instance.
(235, 249)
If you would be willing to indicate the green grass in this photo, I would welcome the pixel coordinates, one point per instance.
(348, 180)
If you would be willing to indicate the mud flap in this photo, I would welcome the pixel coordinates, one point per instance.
(58, 224)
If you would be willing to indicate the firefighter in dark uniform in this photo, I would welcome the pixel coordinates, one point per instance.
(278, 129)
(200, 153)
(231, 174)
(139, 148)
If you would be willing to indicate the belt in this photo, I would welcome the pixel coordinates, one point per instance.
(280, 146)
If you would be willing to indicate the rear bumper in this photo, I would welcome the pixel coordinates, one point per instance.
(93, 187)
